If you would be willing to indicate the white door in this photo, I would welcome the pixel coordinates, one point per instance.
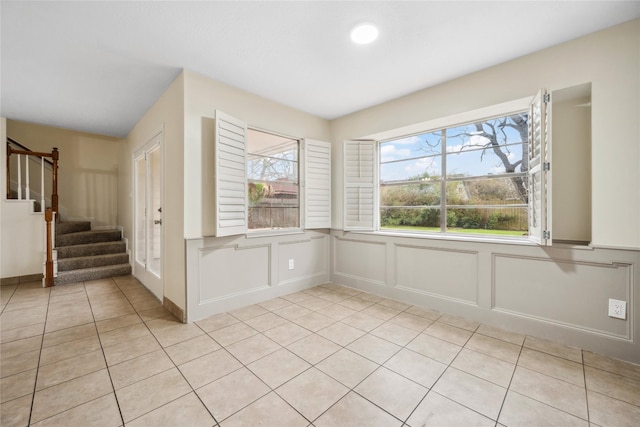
(148, 215)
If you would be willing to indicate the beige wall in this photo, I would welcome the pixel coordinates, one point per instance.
(203, 96)
(88, 170)
(610, 59)
(561, 292)
(225, 273)
(166, 115)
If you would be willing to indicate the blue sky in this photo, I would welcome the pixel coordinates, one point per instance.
(464, 156)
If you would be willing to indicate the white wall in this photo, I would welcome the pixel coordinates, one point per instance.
(21, 231)
(560, 293)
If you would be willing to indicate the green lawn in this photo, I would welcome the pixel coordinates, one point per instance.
(459, 230)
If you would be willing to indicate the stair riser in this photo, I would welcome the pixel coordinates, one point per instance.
(87, 237)
(90, 250)
(92, 261)
(65, 277)
(72, 227)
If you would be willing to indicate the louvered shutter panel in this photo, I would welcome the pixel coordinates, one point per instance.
(231, 175)
(360, 185)
(539, 173)
(317, 184)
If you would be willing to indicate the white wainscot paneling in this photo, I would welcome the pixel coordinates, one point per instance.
(563, 292)
(232, 270)
(444, 273)
(309, 259)
(360, 260)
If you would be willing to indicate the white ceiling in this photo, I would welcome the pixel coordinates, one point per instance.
(98, 66)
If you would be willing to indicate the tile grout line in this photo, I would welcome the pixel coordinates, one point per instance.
(586, 391)
(35, 384)
(515, 367)
(104, 355)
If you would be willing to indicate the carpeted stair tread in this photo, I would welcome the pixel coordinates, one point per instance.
(94, 273)
(84, 237)
(90, 249)
(72, 227)
(82, 262)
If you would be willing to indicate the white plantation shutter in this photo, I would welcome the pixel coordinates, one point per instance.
(360, 185)
(539, 172)
(317, 184)
(231, 175)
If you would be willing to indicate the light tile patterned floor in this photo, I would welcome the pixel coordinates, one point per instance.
(106, 353)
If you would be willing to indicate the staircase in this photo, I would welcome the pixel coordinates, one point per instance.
(85, 254)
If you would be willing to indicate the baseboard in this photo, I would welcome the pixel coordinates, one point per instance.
(174, 309)
(20, 279)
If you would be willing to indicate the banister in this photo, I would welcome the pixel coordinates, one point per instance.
(55, 155)
(48, 277)
(54, 194)
(48, 212)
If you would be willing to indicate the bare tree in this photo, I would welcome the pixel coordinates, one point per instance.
(492, 135)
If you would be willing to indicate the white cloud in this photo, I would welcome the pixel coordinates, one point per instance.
(390, 152)
(420, 166)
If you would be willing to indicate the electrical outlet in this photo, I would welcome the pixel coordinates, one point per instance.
(617, 309)
(291, 264)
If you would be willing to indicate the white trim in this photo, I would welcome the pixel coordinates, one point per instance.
(453, 120)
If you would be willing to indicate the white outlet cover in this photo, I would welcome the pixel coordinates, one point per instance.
(617, 309)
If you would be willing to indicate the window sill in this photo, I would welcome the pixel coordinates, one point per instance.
(523, 241)
(272, 233)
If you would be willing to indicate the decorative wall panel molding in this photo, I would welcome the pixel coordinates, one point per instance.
(360, 260)
(233, 270)
(551, 290)
(446, 273)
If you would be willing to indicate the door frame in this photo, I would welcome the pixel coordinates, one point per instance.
(149, 279)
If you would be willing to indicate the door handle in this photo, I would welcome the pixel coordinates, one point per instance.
(158, 222)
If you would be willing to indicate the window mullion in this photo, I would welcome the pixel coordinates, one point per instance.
(443, 183)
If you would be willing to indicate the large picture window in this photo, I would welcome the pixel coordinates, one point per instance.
(272, 181)
(469, 178)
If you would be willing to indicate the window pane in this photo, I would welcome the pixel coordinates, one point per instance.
(273, 189)
(408, 218)
(501, 131)
(426, 144)
(422, 169)
(485, 162)
(412, 176)
(510, 221)
(498, 191)
(427, 194)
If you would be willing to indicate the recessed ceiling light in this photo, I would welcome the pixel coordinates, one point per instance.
(364, 33)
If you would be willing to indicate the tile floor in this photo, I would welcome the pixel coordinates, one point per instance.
(106, 353)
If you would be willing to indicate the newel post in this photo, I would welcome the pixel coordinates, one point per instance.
(48, 279)
(8, 173)
(54, 194)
